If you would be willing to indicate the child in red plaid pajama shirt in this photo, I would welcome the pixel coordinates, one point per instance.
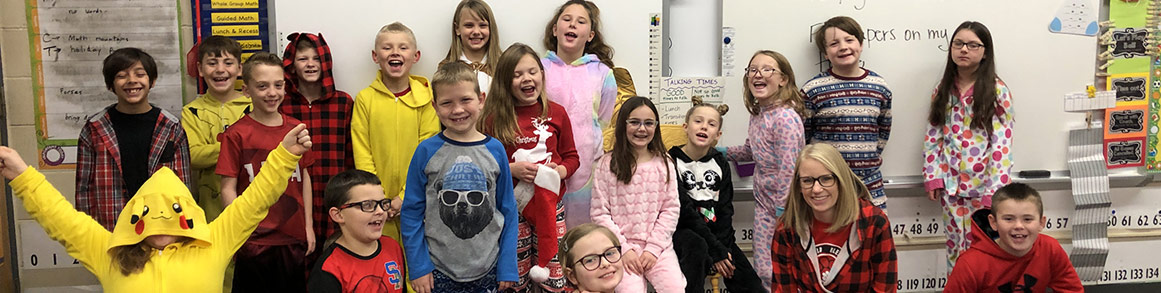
(122, 145)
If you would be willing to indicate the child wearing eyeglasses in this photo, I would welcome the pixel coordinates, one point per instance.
(635, 196)
(773, 141)
(967, 149)
(358, 257)
(591, 255)
(459, 214)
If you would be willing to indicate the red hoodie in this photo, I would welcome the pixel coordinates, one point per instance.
(329, 122)
(985, 267)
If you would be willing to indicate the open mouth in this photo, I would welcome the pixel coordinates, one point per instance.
(528, 90)
(220, 79)
(376, 224)
(395, 64)
(758, 84)
(640, 135)
(310, 71)
(476, 39)
(702, 135)
(570, 36)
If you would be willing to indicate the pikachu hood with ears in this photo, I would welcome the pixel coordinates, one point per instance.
(163, 206)
(196, 262)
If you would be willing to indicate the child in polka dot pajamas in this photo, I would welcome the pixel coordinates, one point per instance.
(967, 148)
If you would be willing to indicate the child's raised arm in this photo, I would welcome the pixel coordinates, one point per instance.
(238, 220)
(82, 237)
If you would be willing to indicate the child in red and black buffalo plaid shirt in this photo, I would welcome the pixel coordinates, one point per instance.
(311, 97)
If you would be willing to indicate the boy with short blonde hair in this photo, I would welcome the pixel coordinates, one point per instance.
(1009, 254)
(392, 116)
(459, 216)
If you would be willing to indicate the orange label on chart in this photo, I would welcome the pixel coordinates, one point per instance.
(1126, 122)
(234, 17)
(235, 30)
(233, 4)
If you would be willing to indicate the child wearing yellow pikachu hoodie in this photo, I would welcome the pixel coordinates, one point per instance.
(161, 242)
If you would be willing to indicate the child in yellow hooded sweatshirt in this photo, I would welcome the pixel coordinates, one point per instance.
(392, 116)
(161, 242)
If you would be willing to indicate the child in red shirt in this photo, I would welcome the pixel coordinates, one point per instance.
(537, 135)
(274, 258)
(360, 259)
(1009, 254)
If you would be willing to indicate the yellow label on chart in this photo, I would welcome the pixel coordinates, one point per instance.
(251, 45)
(234, 17)
(235, 30)
(233, 4)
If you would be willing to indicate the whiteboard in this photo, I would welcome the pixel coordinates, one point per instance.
(906, 43)
(350, 28)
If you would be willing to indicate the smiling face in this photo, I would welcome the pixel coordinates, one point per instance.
(220, 72)
(266, 88)
(1019, 223)
(527, 81)
(764, 85)
(965, 57)
(473, 31)
(307, 65)
(395, 52)
(820, 199)
(703, 126)
(573, 29)
(363, 226)
(603, 279)
(639, 136)
(458, 106)
(842, 49)
(132, 85)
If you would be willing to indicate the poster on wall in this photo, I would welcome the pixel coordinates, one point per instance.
(68, 41)
(1126, 125)
(246, 21)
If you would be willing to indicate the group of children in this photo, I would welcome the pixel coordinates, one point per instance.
(467, 182)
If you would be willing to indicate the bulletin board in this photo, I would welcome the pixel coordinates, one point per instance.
(69, 39)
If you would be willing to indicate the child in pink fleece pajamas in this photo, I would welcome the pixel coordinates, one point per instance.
(635, 196)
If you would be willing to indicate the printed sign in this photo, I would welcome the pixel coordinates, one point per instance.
(1122, 153)
(1129, 89)
(1129, 43)
(1125, 122)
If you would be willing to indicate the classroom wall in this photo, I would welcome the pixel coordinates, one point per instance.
(21, 130)
(919, 259)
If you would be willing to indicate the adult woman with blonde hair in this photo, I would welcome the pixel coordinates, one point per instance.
(831, 238)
